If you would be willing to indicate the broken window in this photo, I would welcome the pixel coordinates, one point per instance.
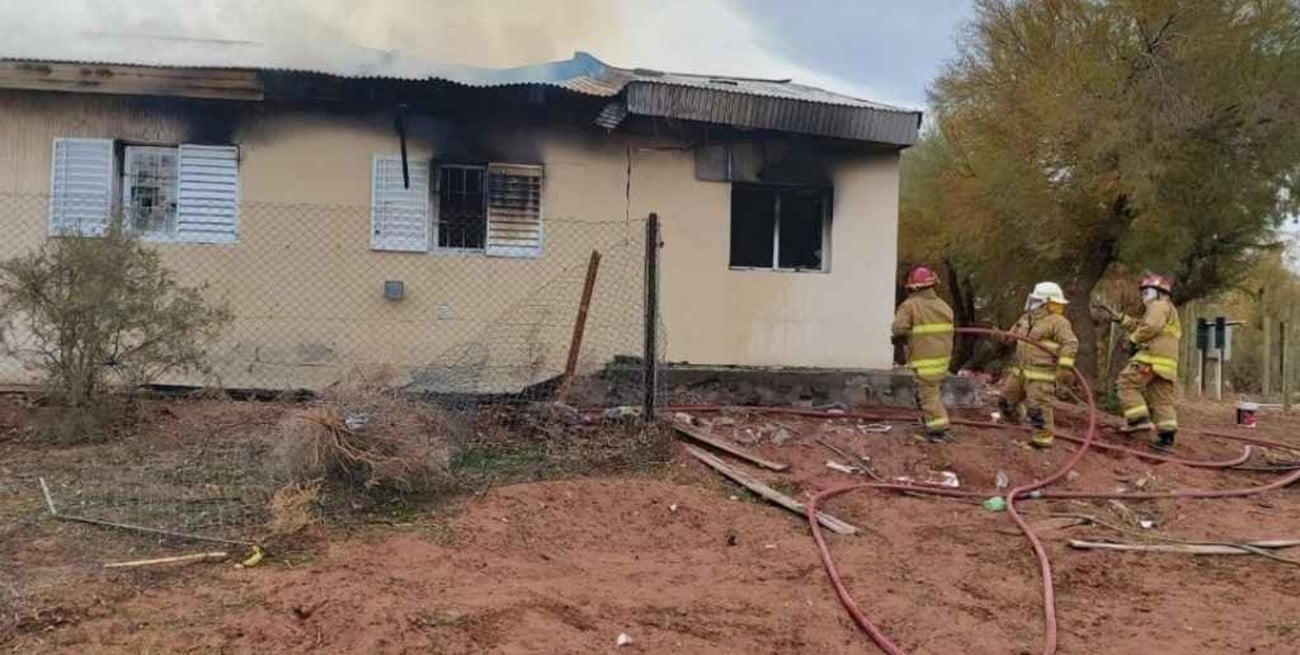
(175, 193)
(149, 190)
(779, 227)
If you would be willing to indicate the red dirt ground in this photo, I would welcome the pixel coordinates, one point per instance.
(565, 567)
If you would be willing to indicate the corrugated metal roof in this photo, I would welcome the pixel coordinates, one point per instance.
(753, 103)
(334, 58)
(861, 122)
(786, 89)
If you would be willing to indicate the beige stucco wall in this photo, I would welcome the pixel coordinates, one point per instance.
(771, 318)
(306, 286)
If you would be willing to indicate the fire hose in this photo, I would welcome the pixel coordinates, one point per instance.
(888, 416)
(1032, 490)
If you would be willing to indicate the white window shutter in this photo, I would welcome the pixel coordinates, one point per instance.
(514, 223)
(207, 198)
(81, 186)
(399, 216)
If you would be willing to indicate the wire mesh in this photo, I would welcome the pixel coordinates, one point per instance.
(313, 299)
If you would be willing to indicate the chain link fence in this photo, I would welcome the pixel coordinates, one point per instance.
(313, 301)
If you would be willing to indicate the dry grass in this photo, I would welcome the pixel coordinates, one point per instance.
(293, 507)
(366, 435)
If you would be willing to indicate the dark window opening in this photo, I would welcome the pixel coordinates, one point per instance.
(803, 214)
(753, 223)
(779, 227)
(462, 209)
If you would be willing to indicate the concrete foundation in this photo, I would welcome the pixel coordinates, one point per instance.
(806, 387)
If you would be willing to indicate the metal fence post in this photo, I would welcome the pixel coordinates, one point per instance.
(1283, 338)
(1266, 358)
(651, 355)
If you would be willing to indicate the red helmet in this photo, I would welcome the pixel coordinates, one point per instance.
(1154, 281)
(921, 278)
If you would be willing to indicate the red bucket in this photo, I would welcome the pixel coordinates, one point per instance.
(1248, 415)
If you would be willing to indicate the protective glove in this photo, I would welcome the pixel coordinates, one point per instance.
(1064, 376)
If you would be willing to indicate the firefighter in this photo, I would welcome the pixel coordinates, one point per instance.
(924, 323)
(1032, 379)
(1148, 385)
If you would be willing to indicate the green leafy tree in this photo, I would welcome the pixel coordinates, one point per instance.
(1156, 134)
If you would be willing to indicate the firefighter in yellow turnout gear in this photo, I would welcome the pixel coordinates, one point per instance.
(924, 323)
(1148, 385)
(1032, 378)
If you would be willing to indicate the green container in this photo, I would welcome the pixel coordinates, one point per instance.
(996, 504)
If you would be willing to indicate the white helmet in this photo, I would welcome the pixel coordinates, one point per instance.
(1049, 291)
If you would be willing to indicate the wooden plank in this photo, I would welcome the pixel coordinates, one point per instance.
(580, 323)
(700, 436)
(75, 86)
(829, 522)
(214, 77)
(1188, 549)
(181, 559)
(132, 80)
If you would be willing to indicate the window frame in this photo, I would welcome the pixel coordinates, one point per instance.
(435, 208)
(828, 198)
(433, 211)
(121, 151)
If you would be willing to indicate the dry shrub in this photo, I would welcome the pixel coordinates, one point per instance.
(367, 435)
(104, 314)
(293, 508)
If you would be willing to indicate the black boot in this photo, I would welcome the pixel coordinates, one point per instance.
(1010, 415)
(1036, 417)
(1164, 441)
(936, 436)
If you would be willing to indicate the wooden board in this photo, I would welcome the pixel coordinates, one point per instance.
(709, 440)
(131, 80)
(180, 559)
(1189, 549)
(829, 522)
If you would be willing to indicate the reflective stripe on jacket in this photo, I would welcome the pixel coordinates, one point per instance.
(1055, 333)
(1157, 335)
(926, 320)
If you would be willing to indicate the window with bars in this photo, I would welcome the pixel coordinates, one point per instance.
(494, 209)
(784, 228)
(462, 207)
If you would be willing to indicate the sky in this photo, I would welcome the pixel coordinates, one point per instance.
(883, 50)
